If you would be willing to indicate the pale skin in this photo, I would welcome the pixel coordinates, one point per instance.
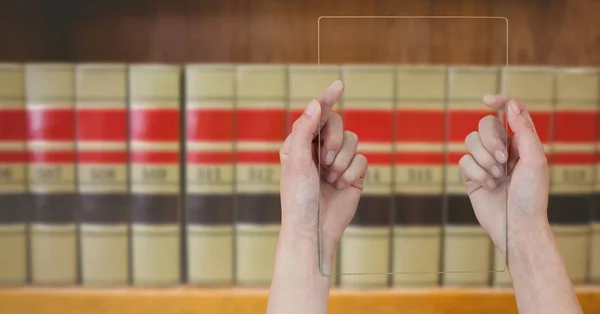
(539, 277)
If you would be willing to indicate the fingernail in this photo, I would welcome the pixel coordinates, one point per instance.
(491, 183)
(332, 177)
(489, 99)
(500, 156)
(496, 171)
(329, 157)
(515, 107)
(311, 109)
(336, 86)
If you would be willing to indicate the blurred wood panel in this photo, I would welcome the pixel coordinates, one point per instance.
(542, 32)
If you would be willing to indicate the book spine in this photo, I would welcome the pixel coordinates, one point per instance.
(419, 175)
(594, 273)
(13, 170)
(534, 87)
(260, 119)
(573, 144)
(307, 82)
(51, 173)
(365, 245)
(467, 247)
(210, 173)
(101, 115)
(154, 141)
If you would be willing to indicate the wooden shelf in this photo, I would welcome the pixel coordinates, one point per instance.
(246, 301)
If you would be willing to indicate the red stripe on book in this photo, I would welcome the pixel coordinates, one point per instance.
(209, 125)
(50, 124)
(13, 157)
(573, 158)
(570, 126)
(378, 158)
(419, 158)
(102, 157)
(154, 157)
(370, 125)
(50, 157)
(12, 124)
(102, 124)
(258, 157)
(420, 126)
(261, 124)
(210, 157)
(463, 122)
(154, 124)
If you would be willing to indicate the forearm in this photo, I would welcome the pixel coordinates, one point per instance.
(540, 279)
(297, 285)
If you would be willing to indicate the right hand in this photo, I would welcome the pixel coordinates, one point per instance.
(526, 178)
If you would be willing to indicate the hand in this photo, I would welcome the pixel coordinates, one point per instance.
(341, 176)
(489, 170)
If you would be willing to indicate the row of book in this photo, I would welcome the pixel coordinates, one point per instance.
(160, 174)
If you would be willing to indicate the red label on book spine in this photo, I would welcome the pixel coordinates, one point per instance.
(102, 125)
(12, 124)
(154, 125)
(50, 124)
(209, 125)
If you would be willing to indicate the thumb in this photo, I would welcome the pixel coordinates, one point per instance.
(529, 145)
(303, 133)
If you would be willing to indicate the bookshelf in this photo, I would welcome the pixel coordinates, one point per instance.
(271, 31)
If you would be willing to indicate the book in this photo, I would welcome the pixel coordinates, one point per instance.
(572, 172)
(101, 127)
(13, 172)
(594, 264)
(209, 111)
(51, 173)
(534, 86)
(467, 247)
(418, 175)
(154, 141)
(260, 123)
(307, 82)
(368, 103)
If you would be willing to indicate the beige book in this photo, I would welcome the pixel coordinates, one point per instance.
(419, 173)
(101, 106)
(13, 172)
(209, 105)
(572, 172)
(261, 93)
(534, 86)
(154, 141)
(307, 82)
(51, 173)
(368, 104)
(467, 247)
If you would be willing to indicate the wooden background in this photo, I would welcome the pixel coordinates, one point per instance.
(541, 32)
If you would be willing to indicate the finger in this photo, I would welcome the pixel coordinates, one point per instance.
(332, 137)
(493, 137)
(471, 171)
(327, 99)
(528, 143)
(354, 174)
(481, 155)
(300, 141)
(344, 157)
(497, 102)
(513, 155)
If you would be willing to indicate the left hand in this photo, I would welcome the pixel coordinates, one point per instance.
(342, 172)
